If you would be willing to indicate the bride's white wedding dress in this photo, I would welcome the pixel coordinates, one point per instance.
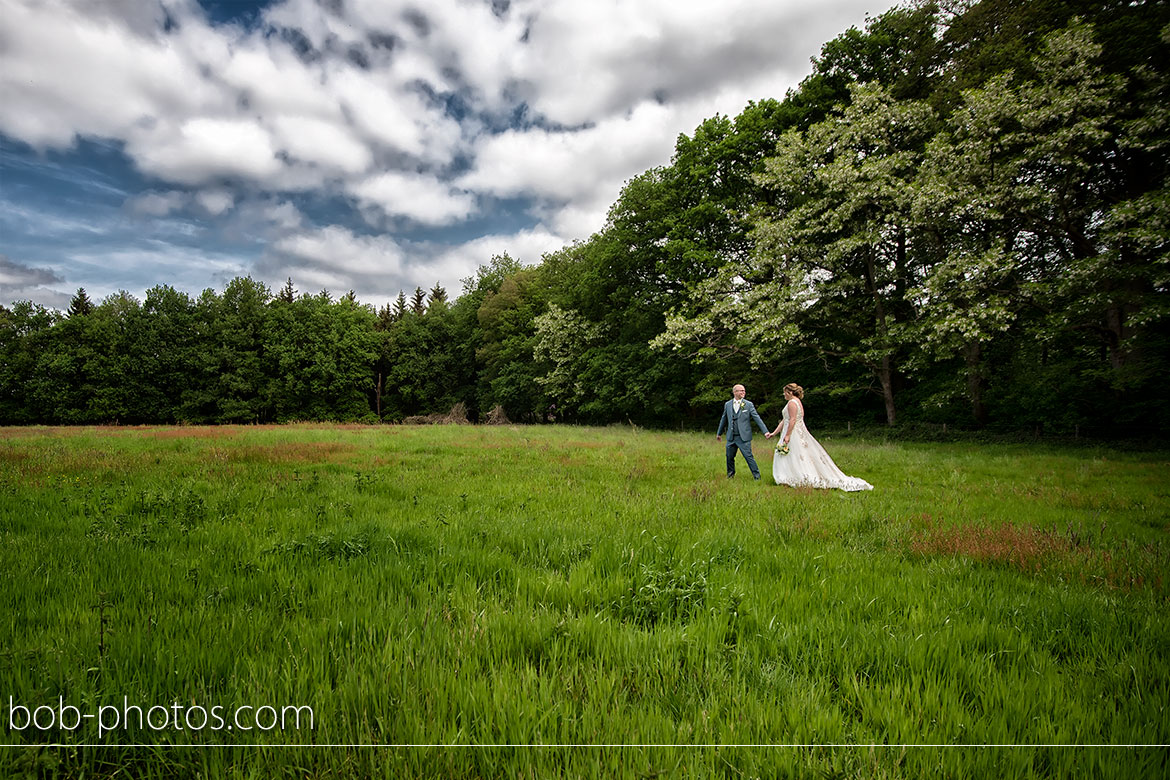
(807, 464)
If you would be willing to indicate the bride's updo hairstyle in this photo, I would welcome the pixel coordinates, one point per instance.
(795, 389)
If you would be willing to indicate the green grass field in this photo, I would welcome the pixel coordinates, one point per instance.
(488, 594)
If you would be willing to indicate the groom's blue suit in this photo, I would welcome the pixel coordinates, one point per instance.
(739, 433)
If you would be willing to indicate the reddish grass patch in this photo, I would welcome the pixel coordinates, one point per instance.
(21, 433)
(194, 432)
(1037, 550)
(291, 452)
(1025, 547)
(14, 456)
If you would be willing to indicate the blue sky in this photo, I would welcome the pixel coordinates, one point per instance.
(372, 145)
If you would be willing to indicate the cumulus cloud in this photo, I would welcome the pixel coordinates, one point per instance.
(159, 205)
(573, 176)
(338, 260)
(215, 202)
(412, 115)
(284, 215)
(420, 198)
(196, 103)
(568, 164)
(205, 150)
(396, 119)
(526, 246)
(344, 250)
(321, 142)
(612, 54)
(68, 71)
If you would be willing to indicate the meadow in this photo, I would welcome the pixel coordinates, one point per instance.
(470, 601)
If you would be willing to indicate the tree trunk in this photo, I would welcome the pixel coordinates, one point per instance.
(973, 352)
(886, 377)
(1115, 333)
(378, 396)
(900, 275)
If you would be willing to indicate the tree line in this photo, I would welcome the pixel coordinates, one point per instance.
(961, 216)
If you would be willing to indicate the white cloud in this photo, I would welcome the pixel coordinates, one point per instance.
(321, 142)
(394, 118)
(63, 72)
(343, 252)
(575, 175)
(375, 102)
(379, 267)
(420, 198)
(205, 150)
(612, 54)
(453, 264)
(215, 202)
(284, 215)
(266, 78)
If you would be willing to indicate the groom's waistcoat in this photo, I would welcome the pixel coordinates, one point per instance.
(739, 425)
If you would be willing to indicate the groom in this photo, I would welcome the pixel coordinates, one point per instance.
(738, 415)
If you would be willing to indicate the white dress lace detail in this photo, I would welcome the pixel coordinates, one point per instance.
(807, 464)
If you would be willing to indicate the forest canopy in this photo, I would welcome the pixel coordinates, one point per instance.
(961, 216)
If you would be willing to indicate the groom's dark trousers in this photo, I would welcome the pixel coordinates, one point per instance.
(734, 443)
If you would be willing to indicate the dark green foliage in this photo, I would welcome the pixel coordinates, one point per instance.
(318, 354)
(417, 364)
(288, 293)
(418, 302)
(507, 338)
(80, 305)
(958, 218)
(232, 366)
(27, 339)
(1010, 259)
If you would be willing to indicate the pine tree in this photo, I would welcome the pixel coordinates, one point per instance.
(400, 306)
(438, 294)
(386, 318)
(288, 293)
(80, 305)
(418, 302)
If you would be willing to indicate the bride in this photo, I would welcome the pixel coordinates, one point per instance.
(800, 460)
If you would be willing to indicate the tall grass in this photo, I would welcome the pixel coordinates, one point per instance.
(493, 593)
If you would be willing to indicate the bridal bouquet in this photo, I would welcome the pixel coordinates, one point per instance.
(782, 448)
